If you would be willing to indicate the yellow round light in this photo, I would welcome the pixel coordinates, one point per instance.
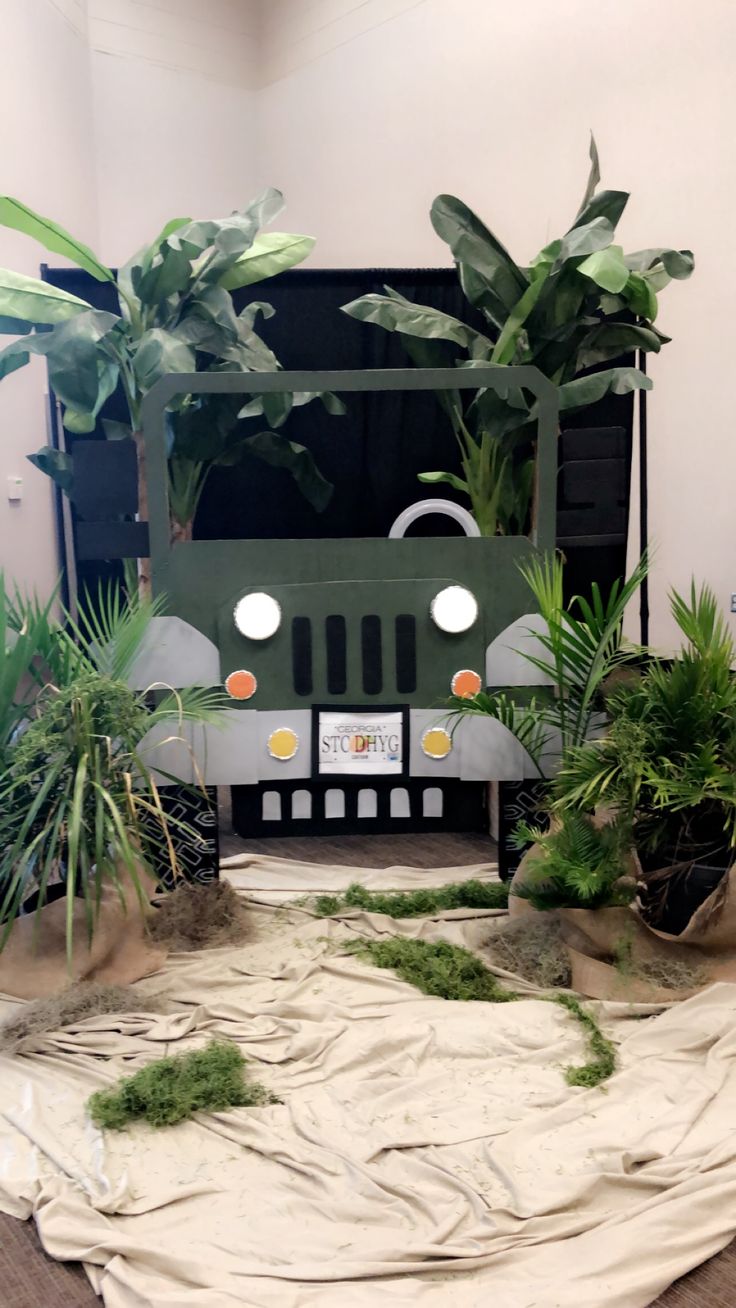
(241, 684)
(466, 683)
(437, 743)
(283, 744)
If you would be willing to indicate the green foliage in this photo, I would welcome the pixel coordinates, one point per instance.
(580, 865)
(580, 648)
(603, 1063)
(668, 759)
(434, 967)
(571, 309)
(451, 972)
(76, 799)
(175, 315)
(416, 903)
(172, 1089)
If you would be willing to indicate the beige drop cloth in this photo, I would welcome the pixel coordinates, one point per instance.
(425, 1153)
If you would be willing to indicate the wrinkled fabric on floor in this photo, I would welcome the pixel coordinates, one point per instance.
(424, 1153)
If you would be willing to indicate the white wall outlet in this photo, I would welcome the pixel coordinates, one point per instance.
(15, 489)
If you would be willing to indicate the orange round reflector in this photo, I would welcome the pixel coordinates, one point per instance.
(436, 743)
(466, 683)
(241, 684)
(283, 744)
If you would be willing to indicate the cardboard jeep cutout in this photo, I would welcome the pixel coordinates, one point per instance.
(338, 654)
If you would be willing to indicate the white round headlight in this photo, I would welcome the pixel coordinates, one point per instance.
(257, 616)
(454, 609)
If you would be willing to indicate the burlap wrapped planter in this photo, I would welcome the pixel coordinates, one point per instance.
(707, 946)
(33, 964)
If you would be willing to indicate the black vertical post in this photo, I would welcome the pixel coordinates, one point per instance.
(643, 503)
(53, 438)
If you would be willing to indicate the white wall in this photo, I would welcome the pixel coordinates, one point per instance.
(494, 102)
(169, 143)
(362, 111)
(47, 160)
(173, 113)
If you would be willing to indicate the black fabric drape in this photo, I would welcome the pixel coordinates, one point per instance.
(372, 454)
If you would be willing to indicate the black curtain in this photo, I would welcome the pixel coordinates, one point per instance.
(373, 453)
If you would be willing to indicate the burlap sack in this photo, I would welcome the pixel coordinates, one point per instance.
(593, 936)
(33, 963)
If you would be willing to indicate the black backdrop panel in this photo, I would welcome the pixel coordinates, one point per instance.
(372, 455)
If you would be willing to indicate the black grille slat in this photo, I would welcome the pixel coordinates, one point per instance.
(301, 655)
(372, 654)
(406, 654)
(337, 651)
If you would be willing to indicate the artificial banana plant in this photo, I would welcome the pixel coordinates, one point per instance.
(175, 314)
(580, 303)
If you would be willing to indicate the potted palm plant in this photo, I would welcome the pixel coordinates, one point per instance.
(580, 305)
(577, 651)
(174, 314)
(667, 766)
(80, 812)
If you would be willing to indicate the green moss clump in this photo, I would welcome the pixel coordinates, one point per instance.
(435, 968)
(416, 903)
(325, 905)
(451, 972)
(171, 1089)
(603, 1063)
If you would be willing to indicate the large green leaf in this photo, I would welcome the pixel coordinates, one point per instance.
(211, 322)
(14, 326)
(141, 261)
(170, 273)
(266, 206)
(57, 465)
(606, 268)
(609, 340)
(79, 422)
(594, 176)
(660, 266)
(221, 242)
(399, 315)
(497, 414)
(270, 253)
(588, 390)
(35, 301)
(158, 353)
(586, 239)
(640, 297)
(11, 362)
(678, 263)
(251, 311)
(607, 204)
(476, 289)
(116, 431)
(448, 478)
(17, 354)
(298, 461)
(472, 243)
(81, 373)
(53, 237)
(506, 344)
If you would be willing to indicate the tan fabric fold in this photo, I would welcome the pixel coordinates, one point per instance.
(425, 1152)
